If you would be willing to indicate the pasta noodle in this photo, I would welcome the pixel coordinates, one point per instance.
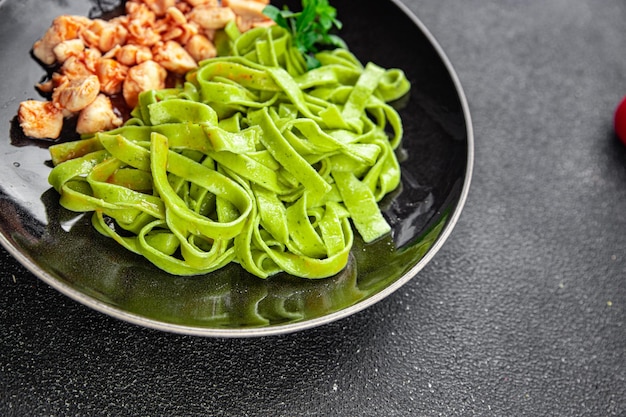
(253, 159)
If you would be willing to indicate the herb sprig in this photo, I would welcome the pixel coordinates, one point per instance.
(310, 28)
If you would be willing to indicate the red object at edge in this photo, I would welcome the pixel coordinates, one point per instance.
(619, 121)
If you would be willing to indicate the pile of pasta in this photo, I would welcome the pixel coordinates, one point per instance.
(253, 160)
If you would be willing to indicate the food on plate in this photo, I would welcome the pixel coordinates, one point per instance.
(40, 119)
(257, 157)
(153, 42)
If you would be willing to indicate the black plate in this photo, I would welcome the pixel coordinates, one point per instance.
(62, 249)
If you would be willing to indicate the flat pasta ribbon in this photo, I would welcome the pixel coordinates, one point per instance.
(252, 159)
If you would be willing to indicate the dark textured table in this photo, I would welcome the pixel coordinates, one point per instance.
(520, 314)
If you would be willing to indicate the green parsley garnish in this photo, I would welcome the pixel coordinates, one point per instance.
(310, 28)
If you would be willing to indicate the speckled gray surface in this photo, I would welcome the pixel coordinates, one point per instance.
(521, 313)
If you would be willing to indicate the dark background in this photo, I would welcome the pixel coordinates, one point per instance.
(520, 314)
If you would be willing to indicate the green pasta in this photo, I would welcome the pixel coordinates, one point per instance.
(253, 159)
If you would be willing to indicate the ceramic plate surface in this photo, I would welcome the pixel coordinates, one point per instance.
(63, 250)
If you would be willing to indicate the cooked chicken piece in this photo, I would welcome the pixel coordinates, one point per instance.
(175, 27)
(247, 8)
(111, 75)
(90, 58)
(57, 79)
(119, 20)
(130, 55)
(262, 23)
(194, 3)
(90, 38)
(98, 116)
(211, 17)
(63, 28)
(142, 35)
(244, 24)
(173, 57)
(200, 48)
(112, 34)
(159, 6)
(104, 35)
(40, 119)
(74, 67)
(249, 13)
(172, 34)
(141, 23)
(111, 52)
(140, 14)
(183, 7)
(189, 30)
(77, 93)
(175, 16)
(64, 50)
(82, 65)
(146, 76)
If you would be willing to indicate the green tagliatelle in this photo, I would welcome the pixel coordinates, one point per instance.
(252, 160)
